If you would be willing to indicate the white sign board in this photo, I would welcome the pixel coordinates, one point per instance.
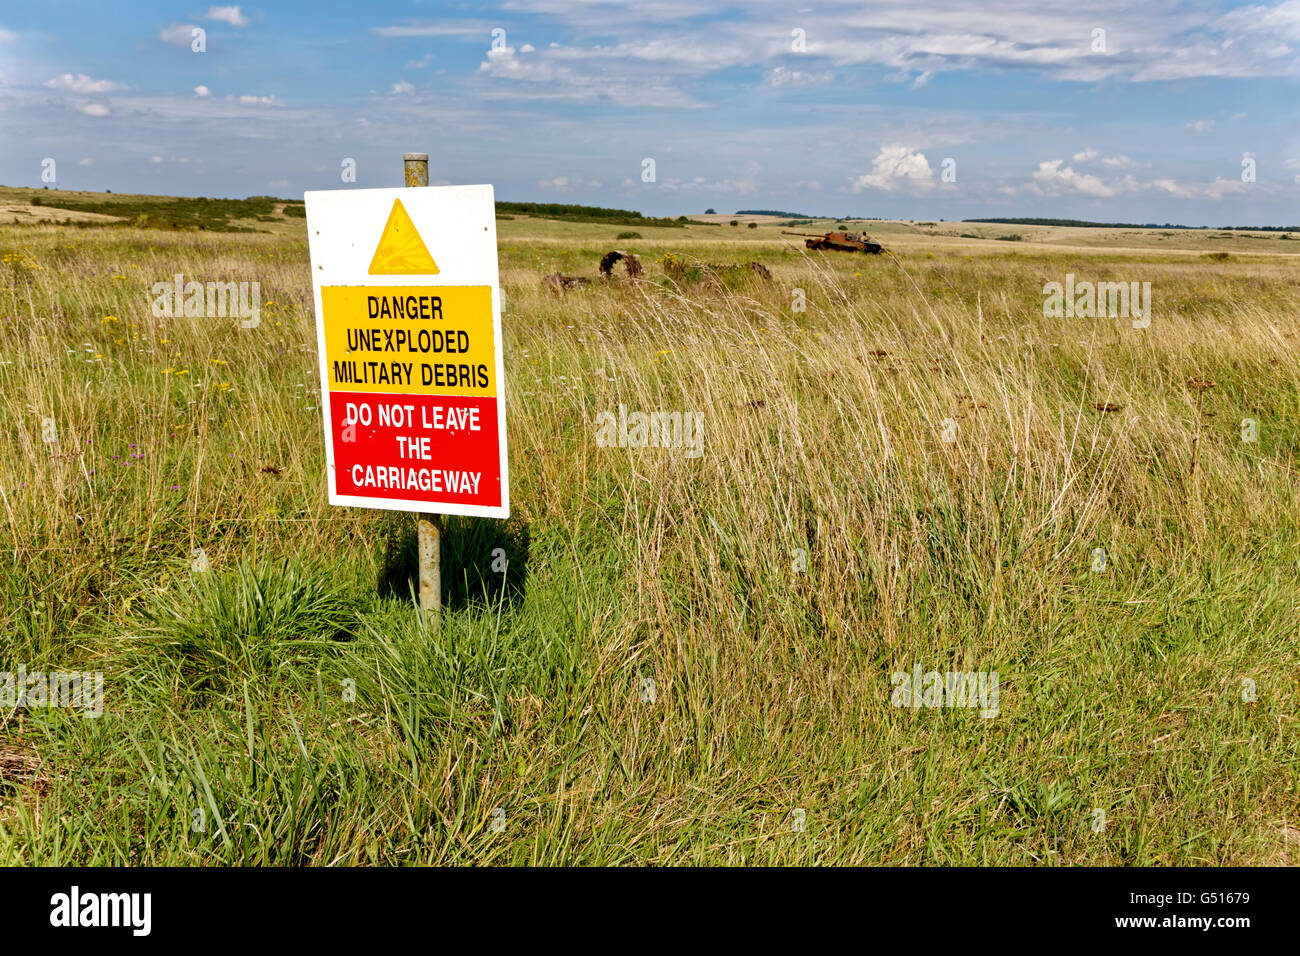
(408, 325)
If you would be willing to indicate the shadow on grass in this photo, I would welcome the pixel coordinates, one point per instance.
(480, 557)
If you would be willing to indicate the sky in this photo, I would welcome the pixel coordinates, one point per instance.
(1158, 111)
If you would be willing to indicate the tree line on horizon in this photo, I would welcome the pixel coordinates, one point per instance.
(1084, 223)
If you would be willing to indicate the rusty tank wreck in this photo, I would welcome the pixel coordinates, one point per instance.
(840, 242)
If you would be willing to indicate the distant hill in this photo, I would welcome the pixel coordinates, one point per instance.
(569, 212)
(257, 213)
(176, 212)
(1083, 223)
(771, 212)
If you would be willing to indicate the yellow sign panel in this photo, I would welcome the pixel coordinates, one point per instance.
(401, 251)
(407, 339)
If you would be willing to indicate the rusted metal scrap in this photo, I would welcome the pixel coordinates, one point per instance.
(557, 282)
(839, 242)
(673, 265)
(630, 262)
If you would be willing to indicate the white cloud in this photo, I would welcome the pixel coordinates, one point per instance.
(202, 91)
(1216, 191)
(250, 100)
(558, 74)
(7, 36)
(445, 28)
(1089, 155)
(81, 83)
(1174, 39)
(232, 15)
(402, 87)
(780, 76)
(85, 161)
(1122, 162)
(894, 168)
(1053, 178)
(419, 64)
(178, 34)
(701, 185)
(664, 46)
(1200, 126)
(743, 182)
(92, 109)
(1223, 187)
(562, 184)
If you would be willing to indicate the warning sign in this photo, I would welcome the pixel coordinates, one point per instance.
(401, 251)
(410, 364)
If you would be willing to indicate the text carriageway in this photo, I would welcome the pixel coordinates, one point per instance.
(386, 446)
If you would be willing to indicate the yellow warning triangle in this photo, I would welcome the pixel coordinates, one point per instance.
(401, 251)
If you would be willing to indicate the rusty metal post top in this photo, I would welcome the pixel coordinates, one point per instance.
(417, 169)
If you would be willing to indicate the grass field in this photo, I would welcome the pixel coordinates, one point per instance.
(290, 706)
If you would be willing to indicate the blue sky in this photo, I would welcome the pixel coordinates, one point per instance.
(1099, 110)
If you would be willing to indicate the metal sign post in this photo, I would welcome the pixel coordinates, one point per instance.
(428, 526)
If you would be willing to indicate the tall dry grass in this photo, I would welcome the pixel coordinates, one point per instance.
(827, 537)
